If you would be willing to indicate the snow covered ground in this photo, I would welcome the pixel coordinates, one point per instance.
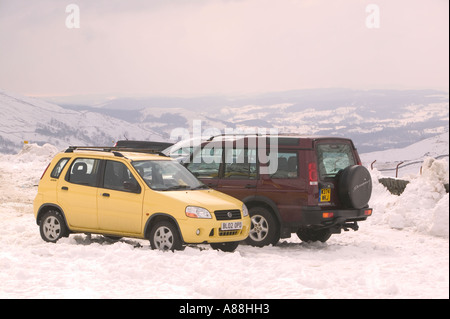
(402, 251)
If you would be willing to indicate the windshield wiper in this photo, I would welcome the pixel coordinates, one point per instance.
(176, 187)
(203, 186)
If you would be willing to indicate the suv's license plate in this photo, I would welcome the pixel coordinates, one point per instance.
(231, 226)
(325, 194)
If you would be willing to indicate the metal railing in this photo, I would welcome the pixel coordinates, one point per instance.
(400, 165)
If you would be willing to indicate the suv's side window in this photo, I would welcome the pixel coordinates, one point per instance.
(287, 165)
(84, 171)
(206, 163)
(118, 177)
(240, 163)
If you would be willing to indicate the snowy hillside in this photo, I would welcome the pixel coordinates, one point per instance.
(410, 158)
(401, 251)
(374, 119)
(28, 119)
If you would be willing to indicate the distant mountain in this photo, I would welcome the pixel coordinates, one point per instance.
(374, 119)
(29, 119)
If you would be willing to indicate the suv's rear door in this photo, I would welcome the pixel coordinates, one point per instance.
(333, 156)
(285, 186)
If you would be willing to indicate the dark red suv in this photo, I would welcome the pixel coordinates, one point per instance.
(311, 186)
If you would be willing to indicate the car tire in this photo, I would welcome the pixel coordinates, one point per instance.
(309, 235)
(355, 186)
(164, 236)
(226, 247)
(264, 228)
(52, 226)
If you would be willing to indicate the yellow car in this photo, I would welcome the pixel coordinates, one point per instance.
(125, 194)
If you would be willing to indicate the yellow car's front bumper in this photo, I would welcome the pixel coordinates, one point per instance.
(196, 230)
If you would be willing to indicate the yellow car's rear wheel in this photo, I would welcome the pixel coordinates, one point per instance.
(52, 226)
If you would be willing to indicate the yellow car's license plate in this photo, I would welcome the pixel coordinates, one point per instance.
(325, 194)
(231, 226)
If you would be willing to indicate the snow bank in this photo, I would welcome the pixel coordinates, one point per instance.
(422, 207)
(34, 152)
(20, 173)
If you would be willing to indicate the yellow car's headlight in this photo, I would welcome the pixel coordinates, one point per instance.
(197, 212)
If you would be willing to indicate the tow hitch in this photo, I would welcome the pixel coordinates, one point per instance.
(353, 226)
(340, 223)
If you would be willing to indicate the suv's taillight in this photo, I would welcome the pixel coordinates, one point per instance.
(45, 170)
(312, 169)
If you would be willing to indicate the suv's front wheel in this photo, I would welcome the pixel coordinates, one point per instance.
(227, 247)
(264, 229)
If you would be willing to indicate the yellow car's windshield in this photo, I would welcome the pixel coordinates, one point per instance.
(167, 175)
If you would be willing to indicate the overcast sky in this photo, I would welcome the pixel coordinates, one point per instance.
(196, 47)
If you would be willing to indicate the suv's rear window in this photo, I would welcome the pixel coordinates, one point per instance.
(331, 158)
(287, 165)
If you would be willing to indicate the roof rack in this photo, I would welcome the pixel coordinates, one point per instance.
(255, 134)
(115, 150)
(232, 134)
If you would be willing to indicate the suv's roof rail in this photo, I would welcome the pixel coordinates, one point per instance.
(232, 134)
(115, 150)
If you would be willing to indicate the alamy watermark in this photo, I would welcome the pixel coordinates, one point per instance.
(373, 17)
(208, 146)
(73, 17)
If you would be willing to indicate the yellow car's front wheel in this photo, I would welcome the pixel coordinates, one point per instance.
(164, 236)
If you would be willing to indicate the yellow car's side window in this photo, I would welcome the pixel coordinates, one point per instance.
(118, 177)
(84, 171)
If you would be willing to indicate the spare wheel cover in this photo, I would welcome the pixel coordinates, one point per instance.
(355, 187)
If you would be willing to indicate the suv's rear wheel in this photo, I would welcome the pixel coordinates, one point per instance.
(52, 226)
(227, 247)
(263, 230)
(164, 236)
(308, 234)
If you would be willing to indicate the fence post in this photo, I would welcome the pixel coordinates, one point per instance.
(396, 169)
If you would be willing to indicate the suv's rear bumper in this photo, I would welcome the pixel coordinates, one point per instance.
(313, 216)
